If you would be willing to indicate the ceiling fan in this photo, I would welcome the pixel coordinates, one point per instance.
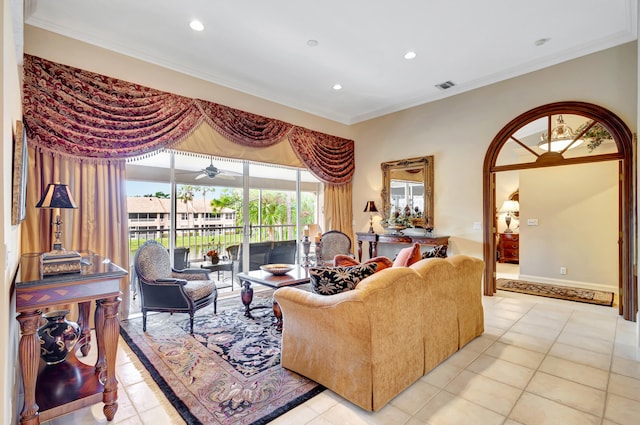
(211, 171)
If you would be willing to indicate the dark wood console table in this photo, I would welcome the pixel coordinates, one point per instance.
(54, 390)
(375, 238)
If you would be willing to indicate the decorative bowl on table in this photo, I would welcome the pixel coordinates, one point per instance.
(277, 269)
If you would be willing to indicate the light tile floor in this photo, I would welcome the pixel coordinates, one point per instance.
(540, 361)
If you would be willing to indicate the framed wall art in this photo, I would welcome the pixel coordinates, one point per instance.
(20, 159)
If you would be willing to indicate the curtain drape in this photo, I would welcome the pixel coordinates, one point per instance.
(100, 222)
(73, 112)
(339, 214)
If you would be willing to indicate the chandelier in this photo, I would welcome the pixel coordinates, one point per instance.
(561, 136)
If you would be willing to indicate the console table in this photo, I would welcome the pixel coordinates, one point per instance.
(54, 390)
(375, 238)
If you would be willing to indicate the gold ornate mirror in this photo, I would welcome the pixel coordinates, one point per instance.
(408, 183)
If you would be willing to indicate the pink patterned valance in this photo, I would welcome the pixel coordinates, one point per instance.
(81, 114)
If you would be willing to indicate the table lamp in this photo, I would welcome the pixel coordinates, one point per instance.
(58, 260)
(370, 208)
(509, 207)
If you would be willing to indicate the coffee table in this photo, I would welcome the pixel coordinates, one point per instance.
(298, 276)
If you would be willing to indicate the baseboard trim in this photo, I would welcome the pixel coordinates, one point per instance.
(574, 283)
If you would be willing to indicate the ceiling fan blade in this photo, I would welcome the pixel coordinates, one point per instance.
(225, 176)
(201, 176)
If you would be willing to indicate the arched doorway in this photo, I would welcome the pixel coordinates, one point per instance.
(541, 156)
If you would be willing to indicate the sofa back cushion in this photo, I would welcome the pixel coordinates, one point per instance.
(408, 256)
(333, 280)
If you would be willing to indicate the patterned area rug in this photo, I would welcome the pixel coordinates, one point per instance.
(228, 372)
(554, 291)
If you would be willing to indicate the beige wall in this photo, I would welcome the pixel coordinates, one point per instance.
(459, 129)
(11, 108)
(577, 212)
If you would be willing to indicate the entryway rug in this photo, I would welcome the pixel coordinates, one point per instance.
(556, 291)
(228, 372)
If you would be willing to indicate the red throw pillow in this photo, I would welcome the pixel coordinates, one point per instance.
(382, 262)
(342, 260)
(408, 256)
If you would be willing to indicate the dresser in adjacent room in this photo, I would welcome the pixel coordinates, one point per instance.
(509, 247)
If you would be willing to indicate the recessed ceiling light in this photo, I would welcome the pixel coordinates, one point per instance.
(312, 43)
(196, 25)
(410, 55)
(337, 86)
(541, 41)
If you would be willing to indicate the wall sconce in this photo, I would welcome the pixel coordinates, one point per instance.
(509, 207)
(370, 208)
(59, 260)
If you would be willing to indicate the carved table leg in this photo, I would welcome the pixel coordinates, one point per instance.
(360, 251)
(29, 353)
(109, 331)
(246, 294)
(85, 329)
(101, 363)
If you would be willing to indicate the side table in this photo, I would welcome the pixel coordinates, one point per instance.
(71, 384)
(220, 266)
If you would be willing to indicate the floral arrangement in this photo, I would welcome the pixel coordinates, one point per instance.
(212, 253)
(595, 135)
(405, 218)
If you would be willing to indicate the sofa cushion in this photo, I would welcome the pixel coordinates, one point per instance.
(408, 256)
(438, 251)
(333, 280)
(347, 261)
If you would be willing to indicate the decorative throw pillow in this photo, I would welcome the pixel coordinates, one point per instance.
(333, 280)
(438, 251)
(343, 260)
(408, 256)
(347, 261)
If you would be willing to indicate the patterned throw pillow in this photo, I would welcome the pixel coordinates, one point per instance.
(333, 280)
(439, 251)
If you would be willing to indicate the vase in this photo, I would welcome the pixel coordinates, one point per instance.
(57, 337)
(214, 259)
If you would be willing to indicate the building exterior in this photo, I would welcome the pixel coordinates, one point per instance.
(151, 214)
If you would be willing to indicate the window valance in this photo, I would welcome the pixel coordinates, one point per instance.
(87, 116)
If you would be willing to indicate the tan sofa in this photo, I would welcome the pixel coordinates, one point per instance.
(371, 343)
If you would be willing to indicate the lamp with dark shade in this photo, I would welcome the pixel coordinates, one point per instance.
(370, 208)
(57, 196)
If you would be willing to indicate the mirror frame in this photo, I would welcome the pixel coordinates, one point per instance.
(423, 162)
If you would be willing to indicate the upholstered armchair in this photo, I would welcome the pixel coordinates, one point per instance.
(333, 243)
(165, 289)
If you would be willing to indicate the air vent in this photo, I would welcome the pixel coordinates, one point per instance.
(445, 85)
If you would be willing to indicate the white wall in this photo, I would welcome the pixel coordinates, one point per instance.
(11, 110)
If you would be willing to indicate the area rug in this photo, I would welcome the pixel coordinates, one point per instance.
(556, 291)
(228, 372)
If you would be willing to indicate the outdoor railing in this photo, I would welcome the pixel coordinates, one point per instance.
(200, 240)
